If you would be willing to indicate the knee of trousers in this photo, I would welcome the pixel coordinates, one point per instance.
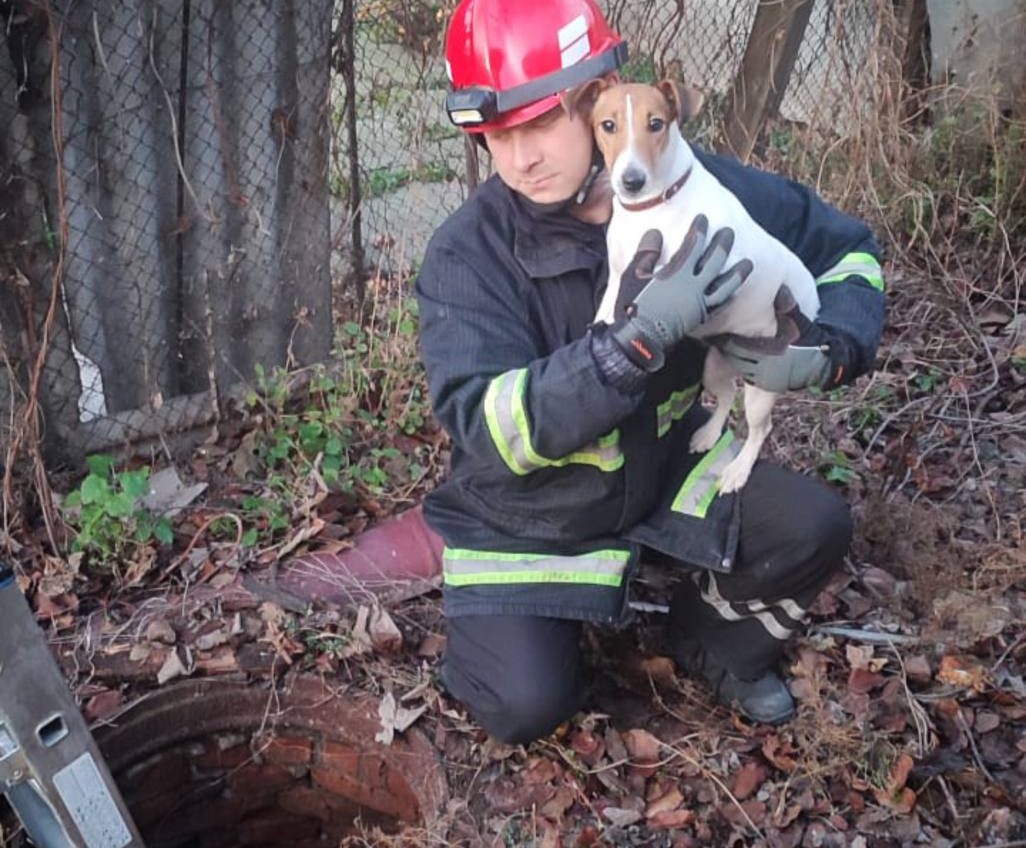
(826, 532)
(518, 711)
(807, 548)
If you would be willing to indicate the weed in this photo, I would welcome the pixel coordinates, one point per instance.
(929, 380)
(441, 132)
(106, 512)
(343, 423)
(640, 68)
(384, 180)
(874, 766)
(1018, 359)
(265, 515)
(835, 466)
(865, 417)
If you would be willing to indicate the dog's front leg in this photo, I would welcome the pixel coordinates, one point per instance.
(759, 415)
(718, 380)
(607, 308)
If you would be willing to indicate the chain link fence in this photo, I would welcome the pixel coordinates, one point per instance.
(185, 185)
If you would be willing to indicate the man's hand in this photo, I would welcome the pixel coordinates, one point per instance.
(679, 297)
(815, 359)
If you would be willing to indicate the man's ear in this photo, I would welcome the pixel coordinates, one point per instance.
(684, 100)
(581, 99)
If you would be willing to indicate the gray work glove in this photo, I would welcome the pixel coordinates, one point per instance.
(680, 295)
(815, 358)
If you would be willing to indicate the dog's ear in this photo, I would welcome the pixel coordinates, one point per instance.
(683, 99)
(581, 99)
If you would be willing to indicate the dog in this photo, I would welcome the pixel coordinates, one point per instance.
(658, 183)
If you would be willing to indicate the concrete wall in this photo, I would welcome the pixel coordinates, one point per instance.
(980, 46)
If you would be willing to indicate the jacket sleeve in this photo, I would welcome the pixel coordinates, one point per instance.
(839, 251)
(493, 389)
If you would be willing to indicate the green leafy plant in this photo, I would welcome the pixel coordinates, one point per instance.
(107, 514)
(836, 467)
(265, 516)
(867, 415)
(927, 380)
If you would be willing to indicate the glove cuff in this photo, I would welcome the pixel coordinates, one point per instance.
(616, 366)
(641, 349)
(841, 353)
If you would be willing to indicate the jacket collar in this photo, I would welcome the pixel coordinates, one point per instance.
(550, 242)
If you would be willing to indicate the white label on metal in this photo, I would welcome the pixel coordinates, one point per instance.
(92, 808)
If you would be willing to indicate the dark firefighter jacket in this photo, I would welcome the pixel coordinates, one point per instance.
(557, 479)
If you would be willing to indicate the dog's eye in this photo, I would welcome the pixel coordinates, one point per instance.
(656, 124)
(608, 126)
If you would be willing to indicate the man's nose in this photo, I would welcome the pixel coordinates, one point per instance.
(526, 153)
(633, 180)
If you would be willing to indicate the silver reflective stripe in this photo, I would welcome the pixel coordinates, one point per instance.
(793, 610)
(863, 264)
(702, 484)
(673, 408)
(711, 595)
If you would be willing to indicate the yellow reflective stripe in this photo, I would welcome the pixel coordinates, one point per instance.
(605, 454)
(864, 265)
(673, 408)
(500, 425)
(523, 429)
(700, 488)
(492, 578)
(468, 567)
(508, 426)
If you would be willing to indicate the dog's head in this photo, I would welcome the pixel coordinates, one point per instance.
(634, 126)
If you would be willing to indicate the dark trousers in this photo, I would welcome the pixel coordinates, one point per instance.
(520, 676)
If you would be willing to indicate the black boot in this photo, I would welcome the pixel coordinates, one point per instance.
(764, 699)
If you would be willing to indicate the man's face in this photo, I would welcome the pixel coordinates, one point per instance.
(545, 159)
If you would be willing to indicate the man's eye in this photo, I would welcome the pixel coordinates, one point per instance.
(608, 126)
(656, 124)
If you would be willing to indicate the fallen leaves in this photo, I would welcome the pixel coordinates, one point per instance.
(395, 718)
(172, 668)
(963, 673)
(895, 795)
(748, 779)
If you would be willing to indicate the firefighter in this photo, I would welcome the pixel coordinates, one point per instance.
(569, 451)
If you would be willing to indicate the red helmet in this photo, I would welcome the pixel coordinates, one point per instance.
(508, 61)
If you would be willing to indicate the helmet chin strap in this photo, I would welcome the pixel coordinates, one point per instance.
(579, 197)
(597, 163)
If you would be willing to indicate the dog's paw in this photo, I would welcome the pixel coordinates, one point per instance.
(705, 437)
(735, 476)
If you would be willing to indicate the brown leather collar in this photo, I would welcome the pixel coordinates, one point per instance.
(659, 198)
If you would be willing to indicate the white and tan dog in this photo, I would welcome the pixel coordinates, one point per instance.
(658, 183)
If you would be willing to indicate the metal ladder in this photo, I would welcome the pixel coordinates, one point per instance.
(51, 770)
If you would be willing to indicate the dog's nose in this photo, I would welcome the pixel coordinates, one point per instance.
(633, 180)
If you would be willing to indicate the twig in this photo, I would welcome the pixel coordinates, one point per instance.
(32, 415)
(894, 415)
(689, 759)
(872, 636)
(924, 729)
(960, 720)
(177, 561)
(1007, 651)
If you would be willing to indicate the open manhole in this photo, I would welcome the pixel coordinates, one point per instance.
(213, 764)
